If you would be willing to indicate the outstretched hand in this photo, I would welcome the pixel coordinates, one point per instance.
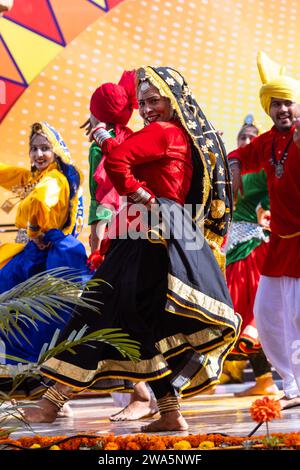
(87, 126)
(90, 126)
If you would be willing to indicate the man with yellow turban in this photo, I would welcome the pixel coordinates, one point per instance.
(277, 303)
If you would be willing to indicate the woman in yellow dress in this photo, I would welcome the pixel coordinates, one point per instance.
(49, 216)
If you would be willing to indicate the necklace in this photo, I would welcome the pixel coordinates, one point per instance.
(21, 192)
(278, 164)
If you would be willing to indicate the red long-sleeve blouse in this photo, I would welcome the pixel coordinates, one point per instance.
(156, 158)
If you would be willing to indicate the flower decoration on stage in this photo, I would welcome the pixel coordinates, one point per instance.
(265, 409)
(111, 446)
(110, 442)
(206, 445)
(182, 445)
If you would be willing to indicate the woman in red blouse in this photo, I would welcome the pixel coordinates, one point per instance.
(163, 287)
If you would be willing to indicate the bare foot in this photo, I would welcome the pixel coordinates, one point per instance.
(172, 421)
(65, 412)
(43, 412)
(287, 403)
(258, 389)
(135, 410)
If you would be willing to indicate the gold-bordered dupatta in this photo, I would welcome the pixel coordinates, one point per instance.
(211, 184)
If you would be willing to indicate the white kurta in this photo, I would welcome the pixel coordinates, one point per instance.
(277, 316)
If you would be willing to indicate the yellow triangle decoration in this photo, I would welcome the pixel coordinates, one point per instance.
(101, 3)
(31, 51)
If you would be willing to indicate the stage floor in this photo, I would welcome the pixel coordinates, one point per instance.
(218, 413)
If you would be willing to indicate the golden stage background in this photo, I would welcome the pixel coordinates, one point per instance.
(212, 42)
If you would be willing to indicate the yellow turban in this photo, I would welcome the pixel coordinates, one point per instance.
(275, 83)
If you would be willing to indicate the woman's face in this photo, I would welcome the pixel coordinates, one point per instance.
(246, 136)
(41, 153)
(152, 106)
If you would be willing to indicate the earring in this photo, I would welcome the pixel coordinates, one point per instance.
(175, 115)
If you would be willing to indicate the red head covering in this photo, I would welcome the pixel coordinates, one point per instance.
(113, 103)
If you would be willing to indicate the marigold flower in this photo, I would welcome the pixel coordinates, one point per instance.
(265, 409)
(157, 446)
(35, 446)
(111, 446)
(195, 440)
(108, 438)
(55, 448)
(182, 445)
(131, 445)
(292, 440)
(206, 445)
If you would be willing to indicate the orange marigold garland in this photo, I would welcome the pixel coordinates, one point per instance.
(146, 442)
(292, 439)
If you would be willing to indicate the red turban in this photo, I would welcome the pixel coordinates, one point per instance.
(113, 103)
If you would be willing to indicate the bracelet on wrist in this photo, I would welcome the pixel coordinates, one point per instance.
(141, 196)
(234, 161)
(100, 135)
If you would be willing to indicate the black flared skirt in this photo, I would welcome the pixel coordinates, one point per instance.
(173, 301)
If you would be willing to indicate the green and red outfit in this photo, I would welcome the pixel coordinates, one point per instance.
(96, 210)
(246, 250)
